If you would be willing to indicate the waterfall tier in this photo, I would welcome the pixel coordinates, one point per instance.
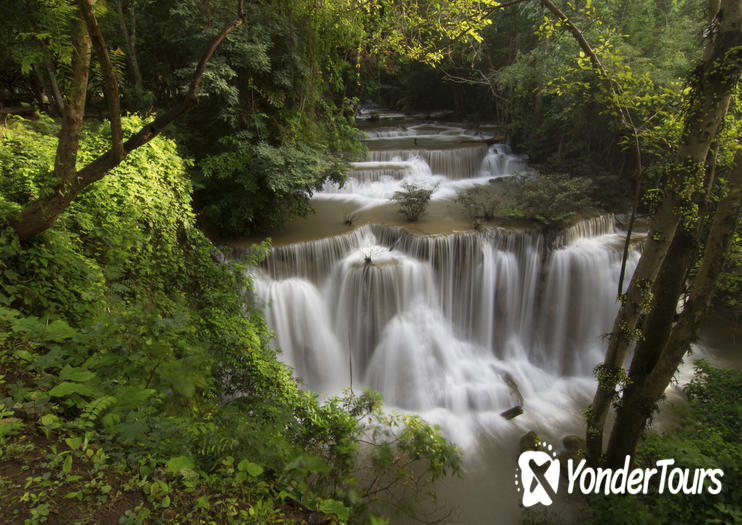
(448, 158)
(439, 322)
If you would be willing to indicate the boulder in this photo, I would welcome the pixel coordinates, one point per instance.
(531, 441)
(574, 447)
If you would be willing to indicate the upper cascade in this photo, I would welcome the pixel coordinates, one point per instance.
(445, 157)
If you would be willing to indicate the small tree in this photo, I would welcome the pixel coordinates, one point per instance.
(413, 200)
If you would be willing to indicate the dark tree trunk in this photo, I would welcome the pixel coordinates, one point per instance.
(130, 39)
(647, 389)
(56, 94)
(511, 48)
(37, 85)
(110, 83)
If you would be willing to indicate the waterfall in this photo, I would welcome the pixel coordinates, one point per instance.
(463, 162)
(438, 323)
(591, 227)
(457, 327)
(500, 161)
(304, 332)
(449, 158)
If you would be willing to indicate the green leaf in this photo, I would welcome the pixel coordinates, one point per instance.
(333, 506)
(202, 502)
(65, 389)
(25, 355)
(74, 442)
(253, 469)
(50, 420)
(58, 331)
(77, 374)
(178, 463)
(67, 466)
(309, 463)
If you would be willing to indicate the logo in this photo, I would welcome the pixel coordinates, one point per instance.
(539, 476)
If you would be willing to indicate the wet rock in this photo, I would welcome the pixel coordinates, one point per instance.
(315, 518)
(574, 447)
(218, 256)
(573, 443)
(531, 441)
(510, 413)
(510, 381)
(575, 455)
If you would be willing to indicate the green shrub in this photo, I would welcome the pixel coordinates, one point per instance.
(258, 187)
(413, 200)
(551, 200)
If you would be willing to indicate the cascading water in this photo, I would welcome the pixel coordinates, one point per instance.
(447, 157)
(456, 327)
(437, 322)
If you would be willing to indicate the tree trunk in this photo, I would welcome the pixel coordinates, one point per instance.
(65, 162)
(110, 83)
(511, 47)
(56, 94)
(130, 39)
(639, 401)
(37, 84)
(666, 290)
(656, 327)
(714, 81)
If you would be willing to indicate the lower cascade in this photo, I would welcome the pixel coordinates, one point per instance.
(457, 327)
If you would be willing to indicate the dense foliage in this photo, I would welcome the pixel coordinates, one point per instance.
(274, 120)
(134, 371)
(274, 91)
(549, 200)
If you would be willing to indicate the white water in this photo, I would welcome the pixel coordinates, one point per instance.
(444, 325)
(445, 157)
(436, 323)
